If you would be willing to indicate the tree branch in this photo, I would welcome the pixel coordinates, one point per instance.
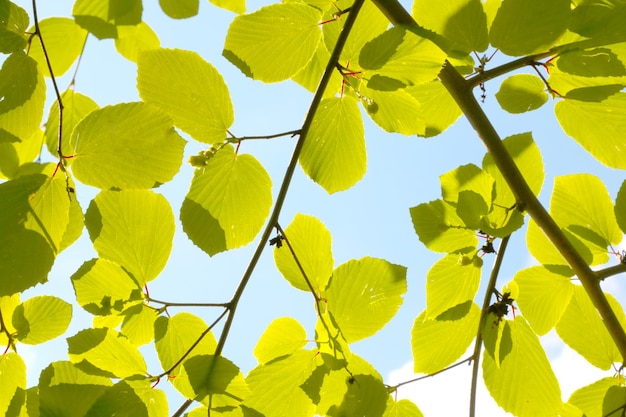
(282, 194)
(491, 285)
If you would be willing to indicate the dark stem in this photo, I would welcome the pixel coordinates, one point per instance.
(491, 286)
(170, 304)
(610, 271)
(282, 194)
(291, 133)
(395, 387)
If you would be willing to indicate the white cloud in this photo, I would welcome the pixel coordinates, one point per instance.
(447, 394)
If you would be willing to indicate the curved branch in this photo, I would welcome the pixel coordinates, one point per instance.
(491, 285)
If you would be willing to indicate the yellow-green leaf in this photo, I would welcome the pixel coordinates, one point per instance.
(41, 318)
(64, 41)
(520, 93)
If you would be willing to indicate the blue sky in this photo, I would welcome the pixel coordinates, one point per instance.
(370, 219)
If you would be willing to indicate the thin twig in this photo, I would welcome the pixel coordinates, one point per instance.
(491, 286)
(170, 304)
(291, 133)
(395, 387)
(603, 274)
(282, 194)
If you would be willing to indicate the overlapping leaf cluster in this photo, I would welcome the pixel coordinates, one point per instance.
(127, 150)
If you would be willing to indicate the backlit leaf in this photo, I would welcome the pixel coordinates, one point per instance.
(138, 324)
(522, 27)
(543, 297)
(274, 42)
(620, 207)
(180, 9)
(107, 352)
(401, 408)
(128, 145)
(584, 331)
(132, 397)
(605, 120)
(103, 287)
(22, 94)
(189, 90)
(64, 41)
(401, 58)
(463, 22)
(132, 40)
(65, 390)
(438, 108)
(438, 342)
(333, 154)
(311, 242)
(524, 383)
(13, 382)
(590, 398)
(394, 111)
(75, 107)
(236, 6)
(451, 281)
(41, 318)
(13, 24)
(601, 20)
(227, 203)
(363, 295)
(440, 229)
(276, 387)
(581, 204)
(283, 336)
(101, 17)
(521, 93)
(132, 228)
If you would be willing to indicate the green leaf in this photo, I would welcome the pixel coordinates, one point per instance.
(311, 243)
(133, 228)
(15, 155)
(65, 390)
(527, 157)
(173, 337)
(105, 352)
(363, 295)
(180, 9)
(451, 281)
(366, 396)
(605, 120)
(496, 333)
(138, 324)
(370, 23)
(522, 27)
(34, 214)
(283, 336)
(520, 93)
(543, 296)
(542, 249)
(101, 17)
(189, 90)
(440, 228)
(438, 109)
(600, 20)
(463, 22)
(394, 111)
(276, 387)
(13, 24)
(227, 203)
(132, 397)
(235, 6)
(215, 375)
(275, 42)
(128, 145)
(524, 383)
(333, 154)
(75, 107)
(583, 330)
(132, 40)
(438, 342)
(23, 92)
(64, 41)
(40, 319)
(103, 287)
(7, 306)
(466, 178)
(401, 408)
(604, 61)
(590, 399)
(581, 204)
(401, 58)
(620, 207)
(13, 382)
(309, 77)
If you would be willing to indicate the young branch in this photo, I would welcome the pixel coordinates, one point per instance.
(282, 194)
(491, 286)
(170, 304)
(291, 133)
(469, 359)
(605, 273)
